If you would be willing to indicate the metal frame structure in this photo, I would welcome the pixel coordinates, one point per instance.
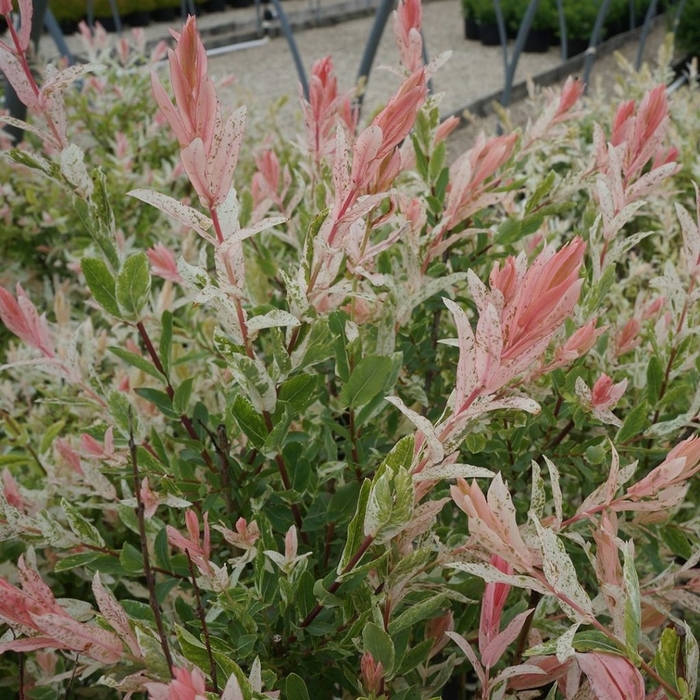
(43, 16)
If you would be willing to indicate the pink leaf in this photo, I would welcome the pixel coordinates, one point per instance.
(115, 614)
(495, 648)
(98, 644)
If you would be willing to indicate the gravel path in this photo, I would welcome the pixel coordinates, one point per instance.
(265, 74)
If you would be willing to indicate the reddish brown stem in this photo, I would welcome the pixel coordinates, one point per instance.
(366, 544)
(150, 578)
(203, 621)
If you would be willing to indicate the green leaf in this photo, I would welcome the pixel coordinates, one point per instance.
(633, 603)
(667, 657)
(134, 286)
(131, 558)
(100, 282)
(417, 612)
(136, 361)
(437, 161)
(366, 380)
(120, 410)
(299, 391)
(275, 441)
(634, 424)
(49, 435)
(317, 346)
(544, 188)
(677, 541)
(280, 354)
(390, 504)
(100, 221)
(160, 400)
(181, 399)
(295, 688)
(355, 528)
(415, 656)
(80, 526)
(508, 232)
(166, 340)
(73, 561)
(336, 323)
(378, 643)
(249, 421)
(655, 379)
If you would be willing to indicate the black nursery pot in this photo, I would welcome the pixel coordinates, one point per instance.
(471, 29)
(140, 18)
(164, 14)
(107, 23)
(488, 33)
(537, 41)
(576, 46)
(215, 5)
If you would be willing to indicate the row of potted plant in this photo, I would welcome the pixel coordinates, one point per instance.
(134, 12)
(579, 15)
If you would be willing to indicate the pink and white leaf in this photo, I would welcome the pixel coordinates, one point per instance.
(436, 452)
(177, 210)
(469, 652)
(490, 573)
(497, 646)
(26, 11)
(11, 66)
(115, 614)
(469, 376)
(98, 644)
(453, 471)
(561, 574)
(612, 677)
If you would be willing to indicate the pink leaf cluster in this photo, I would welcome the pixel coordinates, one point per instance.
(407, 21)
(186, 685)
(325, 109)
(209, 145)
(21, 318)
(33, 612)
(492, 521)
(518, 317)
(198, 550)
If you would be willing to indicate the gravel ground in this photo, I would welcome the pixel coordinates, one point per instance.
(265, 74)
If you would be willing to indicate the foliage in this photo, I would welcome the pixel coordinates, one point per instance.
(546, 16)
(331, 417)
(687, 32)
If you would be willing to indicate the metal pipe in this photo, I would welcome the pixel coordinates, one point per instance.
(289, 36)
(651, 13)
(590, 53)
(562, 31)
(375, 35)
(523, 31)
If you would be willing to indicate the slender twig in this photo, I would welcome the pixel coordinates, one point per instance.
(525, 631)
(220, 442)
(20, 669)
(150, 578)
(69, 688)
(327, 545)
(284, 473)
(203, 621)
(366, 544)
(184, 418)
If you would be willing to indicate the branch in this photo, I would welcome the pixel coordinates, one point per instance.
(150, 579)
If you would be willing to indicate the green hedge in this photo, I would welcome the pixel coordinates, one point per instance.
(77, 9)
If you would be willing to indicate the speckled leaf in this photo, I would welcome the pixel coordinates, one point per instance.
(561, 574)
(177, 210)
